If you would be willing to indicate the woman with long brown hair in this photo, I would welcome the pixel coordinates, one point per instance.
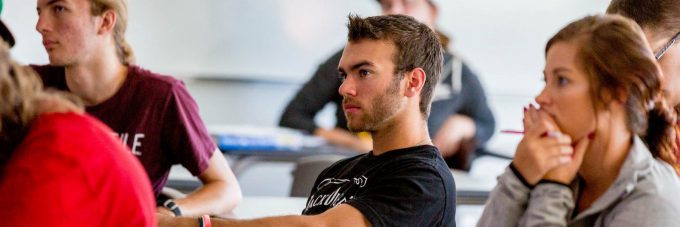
(599, 150)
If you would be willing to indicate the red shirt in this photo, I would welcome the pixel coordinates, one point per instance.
(155, 116)
(70, 171)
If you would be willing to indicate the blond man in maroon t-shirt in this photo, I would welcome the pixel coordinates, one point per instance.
(153, 115)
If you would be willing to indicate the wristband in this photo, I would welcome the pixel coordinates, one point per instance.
(204, 221)
(170, 204)
(520, 177)
(544, 181)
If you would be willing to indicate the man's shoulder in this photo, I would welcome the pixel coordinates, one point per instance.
(150, 81)
(418, 160)
(425, 154)
(345, 162)
(424, 158)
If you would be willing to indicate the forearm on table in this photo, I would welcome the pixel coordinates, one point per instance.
(219, 194)
(457, 129)
(342, 215)
(216, 198)
(282, 221)
(309, 100)
(343, 138)
(484, 129)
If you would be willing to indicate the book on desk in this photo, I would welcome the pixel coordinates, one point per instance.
(259, 138)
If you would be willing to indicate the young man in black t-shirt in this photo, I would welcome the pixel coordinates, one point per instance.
(389, 68)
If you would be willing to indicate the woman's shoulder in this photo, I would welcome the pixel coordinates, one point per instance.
(658, 186)
(652, 201)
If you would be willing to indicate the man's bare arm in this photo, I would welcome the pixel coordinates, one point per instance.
(341, 215)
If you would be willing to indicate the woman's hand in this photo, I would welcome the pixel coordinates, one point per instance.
(567, 172)
(543, 147)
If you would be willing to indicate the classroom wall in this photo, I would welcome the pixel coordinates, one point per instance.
(242, 60)
(270, 47)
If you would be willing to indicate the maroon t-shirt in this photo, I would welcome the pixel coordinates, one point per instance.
(155, 116)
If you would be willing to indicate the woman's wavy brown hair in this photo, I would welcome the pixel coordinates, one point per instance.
(619, 63)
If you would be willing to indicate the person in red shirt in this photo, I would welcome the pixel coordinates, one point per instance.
(59, 166)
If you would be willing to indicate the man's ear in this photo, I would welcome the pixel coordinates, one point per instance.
(415, 80)
(107, 21)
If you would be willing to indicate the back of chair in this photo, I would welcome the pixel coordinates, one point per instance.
(307, 170)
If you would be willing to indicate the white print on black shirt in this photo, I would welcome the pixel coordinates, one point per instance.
(336, 197)
(136, 142)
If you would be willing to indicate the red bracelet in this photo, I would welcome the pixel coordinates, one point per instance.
(204, 221)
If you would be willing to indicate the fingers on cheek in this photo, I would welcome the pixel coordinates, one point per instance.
(564, 159)
(560, 139)
(559, 160)
(566, 150)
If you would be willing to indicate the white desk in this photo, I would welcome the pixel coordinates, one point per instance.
(257, 207)
(469, 182)
(471, 187)
(262, 206)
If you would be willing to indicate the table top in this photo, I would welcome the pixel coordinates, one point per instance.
(264, 206)
(297, 153)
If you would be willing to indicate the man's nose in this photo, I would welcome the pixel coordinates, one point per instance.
(42, 25)
(348, 87)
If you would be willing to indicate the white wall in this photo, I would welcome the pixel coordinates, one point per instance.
(279, 39)
(502, 40)
(286, 39)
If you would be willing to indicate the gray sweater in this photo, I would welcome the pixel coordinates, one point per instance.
(645, 193)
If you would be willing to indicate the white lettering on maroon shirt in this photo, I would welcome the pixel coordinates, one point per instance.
(136, 142)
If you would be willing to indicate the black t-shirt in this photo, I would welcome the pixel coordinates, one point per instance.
(405, 187)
